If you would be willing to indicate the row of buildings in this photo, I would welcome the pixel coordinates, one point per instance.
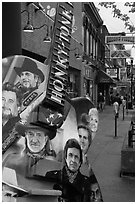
(31, 29)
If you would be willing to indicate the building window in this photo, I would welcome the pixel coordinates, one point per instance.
(91, 44)
(94, 47)
(87, 42)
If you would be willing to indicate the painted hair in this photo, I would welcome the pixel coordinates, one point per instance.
(72, 143)
(93, 111)
(11, 87)
(89, 132)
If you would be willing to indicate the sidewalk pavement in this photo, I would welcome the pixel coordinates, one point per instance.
(105, 157)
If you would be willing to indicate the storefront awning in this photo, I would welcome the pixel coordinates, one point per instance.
(103, 77)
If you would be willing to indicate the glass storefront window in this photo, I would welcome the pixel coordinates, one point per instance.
(88, 88)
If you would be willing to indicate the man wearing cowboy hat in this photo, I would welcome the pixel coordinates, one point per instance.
(37, 140)
(36, 156)
(30, 76)
(37, 136)
(32, 161)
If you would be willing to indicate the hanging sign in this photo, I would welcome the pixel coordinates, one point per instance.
(123, 70)
(112, 73)
(59, 55)
(120, 39)
(88, 73)
(120, 54)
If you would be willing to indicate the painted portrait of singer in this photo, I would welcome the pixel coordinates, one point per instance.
(86, 113)
(20, 74)
(28, 75)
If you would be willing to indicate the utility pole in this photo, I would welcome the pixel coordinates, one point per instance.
(131, 83)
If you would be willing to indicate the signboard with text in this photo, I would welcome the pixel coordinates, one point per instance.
(112, 72)
(59, 55)
(123, 70)
(120, 39)
(88, 72)
(120, 54)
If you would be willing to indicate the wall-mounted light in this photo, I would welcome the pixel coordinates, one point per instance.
(47, 38)
(32, 28)
(84, 60)
(77, 54)
(48, 35)
(28, 28)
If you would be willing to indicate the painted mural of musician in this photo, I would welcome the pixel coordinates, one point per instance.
(27, 81)
(74, 185)
(87, 120)
(85, 140)
(83, 116)
(24, 88)
(30, 77)
(11, 102)
(36, 156)
(91, 119)
(34, 88)
(37, 136)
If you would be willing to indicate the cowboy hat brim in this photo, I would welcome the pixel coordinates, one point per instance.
(37, 71)
(22, 128)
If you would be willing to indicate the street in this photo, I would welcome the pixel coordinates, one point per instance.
(105, 157)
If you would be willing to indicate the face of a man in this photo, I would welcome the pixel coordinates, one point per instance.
(9, 104)
(93, 121)
(83, 139)
(28, 79)
(95, 193)
(73, 159)
(36, 140)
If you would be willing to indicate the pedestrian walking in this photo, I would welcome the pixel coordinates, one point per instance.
(100, 101)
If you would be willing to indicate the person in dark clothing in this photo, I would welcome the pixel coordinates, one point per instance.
(111, 99)
(127, 100)
(75, 186)
(118, 99)
(100, 101)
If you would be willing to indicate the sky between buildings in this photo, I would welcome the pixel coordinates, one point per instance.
(115, 25)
